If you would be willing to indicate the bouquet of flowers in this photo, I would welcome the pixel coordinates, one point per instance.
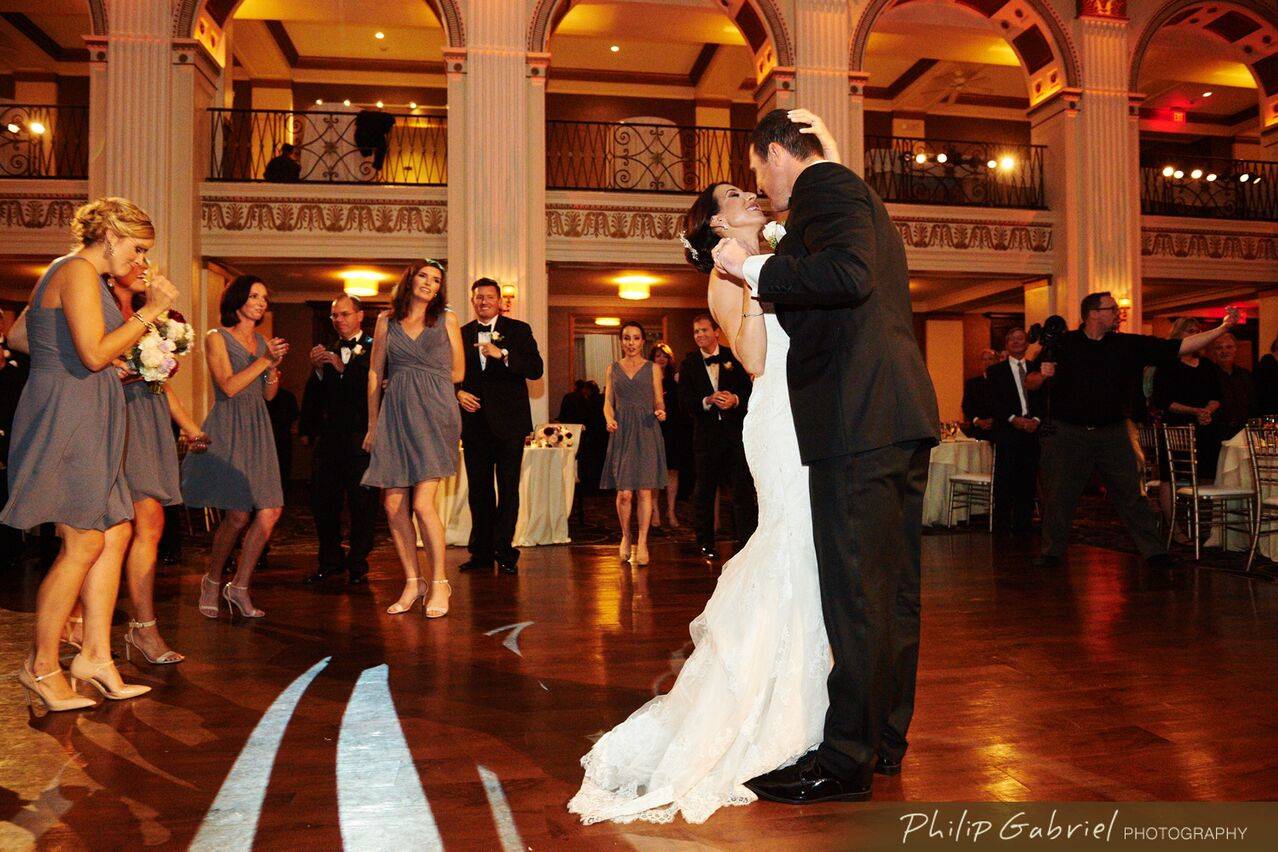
(551, 435)
(154, 357)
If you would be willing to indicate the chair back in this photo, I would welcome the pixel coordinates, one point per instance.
(1150, 444)
(1262, 447)
(1181, 451)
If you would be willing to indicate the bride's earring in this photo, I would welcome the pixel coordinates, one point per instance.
(109, 251)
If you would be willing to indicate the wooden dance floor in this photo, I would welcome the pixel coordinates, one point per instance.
(330, 722)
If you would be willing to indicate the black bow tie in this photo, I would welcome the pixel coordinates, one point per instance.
(487, 328)
(349, 344)
(720, 358)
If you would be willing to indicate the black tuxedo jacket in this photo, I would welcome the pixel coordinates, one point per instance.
(502, 388)
(842, 292)
(978, 402)
(694, 386)
(335, 405)
(1005, 402)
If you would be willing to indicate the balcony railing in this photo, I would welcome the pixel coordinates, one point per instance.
(38, 141)
(626, 157)
(953, 172)
(334, 147)
(1210, 188)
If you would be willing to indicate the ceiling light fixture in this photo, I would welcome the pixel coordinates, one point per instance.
(319, 102)
(992, 164)
(942, 158)
(1196, 174)
(1007, 162)
(13, 128)
(412, 104)
(1178, 174)
(920, 158)
(1207, 94)
(346, 102)
(635, 287)
(36, 127)
(379, 35)
(361, 282)
(380, 104)
(1168, 171)
(616, 48)
(1244, 177)
(608, 322)
(1211, 177)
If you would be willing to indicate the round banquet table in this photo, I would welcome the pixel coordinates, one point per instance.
(960, 455)
(1234, 469)
(547, 481)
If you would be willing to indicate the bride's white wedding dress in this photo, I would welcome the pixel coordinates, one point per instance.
(752, 696)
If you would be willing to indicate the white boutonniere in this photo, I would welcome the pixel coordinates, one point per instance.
(727, 365)
(495, 337)
(357, 349)
(773, 232)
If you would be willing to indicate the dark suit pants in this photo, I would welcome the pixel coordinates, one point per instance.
(1015, 479)
(1070, 455)
(723, 462)
(335, 479)
(867, 517)
(493, 513)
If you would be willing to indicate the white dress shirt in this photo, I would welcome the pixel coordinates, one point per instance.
(1019, 369)
(485, 336)
(712, 370)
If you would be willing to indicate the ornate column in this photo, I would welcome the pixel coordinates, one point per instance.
(501, 195)
(821, 67)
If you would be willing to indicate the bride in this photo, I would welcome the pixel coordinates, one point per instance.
(752, 696)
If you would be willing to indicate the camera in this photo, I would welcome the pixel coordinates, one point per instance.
(1049, 335)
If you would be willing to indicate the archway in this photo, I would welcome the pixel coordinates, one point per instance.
(187, 12)
(1031, 27)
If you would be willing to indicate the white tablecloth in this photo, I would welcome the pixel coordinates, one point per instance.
(962, 455)
(1234, 468)
(547, 481)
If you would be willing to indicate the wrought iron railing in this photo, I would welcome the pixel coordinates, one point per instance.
(627, 157)
(954, 172)
(1209, 188)
(331, 146)
(39, 141)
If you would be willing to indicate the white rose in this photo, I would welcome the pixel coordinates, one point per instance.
(152, 356)
(773, 232)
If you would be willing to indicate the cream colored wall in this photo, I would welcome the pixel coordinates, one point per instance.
(945, 363)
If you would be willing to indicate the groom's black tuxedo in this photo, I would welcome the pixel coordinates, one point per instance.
(866, 419)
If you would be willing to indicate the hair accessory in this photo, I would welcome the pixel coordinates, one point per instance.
(683, 238)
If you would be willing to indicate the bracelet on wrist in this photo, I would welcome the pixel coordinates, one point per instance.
(149, 326)
(746, 316)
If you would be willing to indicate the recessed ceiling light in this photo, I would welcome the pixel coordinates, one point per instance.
(615, 48)
(1207, 94)
(379, 35)
(319, 102)
(412, 104)
(346, 102)
(13, 128)
(608, 322)
(379, 104)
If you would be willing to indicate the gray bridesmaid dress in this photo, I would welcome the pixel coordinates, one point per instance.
(419, 426)
(150, 453)
(636, 451)
(66, 455)
(240, 470)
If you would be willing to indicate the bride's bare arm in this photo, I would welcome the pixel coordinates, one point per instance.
(829, 148)
(741, 319)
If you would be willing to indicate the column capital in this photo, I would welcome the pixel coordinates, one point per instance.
(856, 83)
(1112, 10)
(455, 61)
(97, 47)
(194, 53)
(1065, 100)
(538, 64)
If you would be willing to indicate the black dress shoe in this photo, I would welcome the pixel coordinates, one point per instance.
(508, 567)
(474, 564)
(359, 578)
(1047, 561)
(322, 573)
(807, 783)
(888, 766)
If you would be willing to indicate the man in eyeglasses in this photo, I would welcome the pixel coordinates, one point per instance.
(1089, 397)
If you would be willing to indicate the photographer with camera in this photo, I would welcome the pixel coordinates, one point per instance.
(1088, 374)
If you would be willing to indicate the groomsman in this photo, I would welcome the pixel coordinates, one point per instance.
(335, 421)
(501, 358)
(714, 389)
(1017, 411)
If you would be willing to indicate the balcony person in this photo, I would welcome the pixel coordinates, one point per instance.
(285, 167)
(1089, 380)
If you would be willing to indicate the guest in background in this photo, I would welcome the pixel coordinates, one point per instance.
(286, 166)
(714, 390)
(66, 456)
(284, 412)
(1237, 390)
(573, 407)
(240, 472)
(676, 432)
(14, 367)
(584, 405)
(1188, 392)
(413, 430)
(335, 422)
(978, 401)
(1267, 382)
(501, 359)
(1016, 413)
(1089, 385)
(634, 406)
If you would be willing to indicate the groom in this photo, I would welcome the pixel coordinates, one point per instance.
(866, 418)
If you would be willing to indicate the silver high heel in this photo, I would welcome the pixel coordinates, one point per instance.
(396, 609)
(248, 611)
(209, 606)
(166, 659)
(436, 612)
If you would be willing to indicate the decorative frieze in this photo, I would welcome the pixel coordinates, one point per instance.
(606, 222)
(383, 216)
(1188, 244)
(21, 211)
(963, 235)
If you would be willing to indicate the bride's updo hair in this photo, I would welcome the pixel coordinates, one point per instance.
(698, 237)
(91, 221)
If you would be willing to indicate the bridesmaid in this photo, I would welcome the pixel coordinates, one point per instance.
(151, 469)
(240, 472)
(635, 408)
(414, 432)
(67, 452)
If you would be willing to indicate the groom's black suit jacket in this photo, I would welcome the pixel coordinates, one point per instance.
(842, 293)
